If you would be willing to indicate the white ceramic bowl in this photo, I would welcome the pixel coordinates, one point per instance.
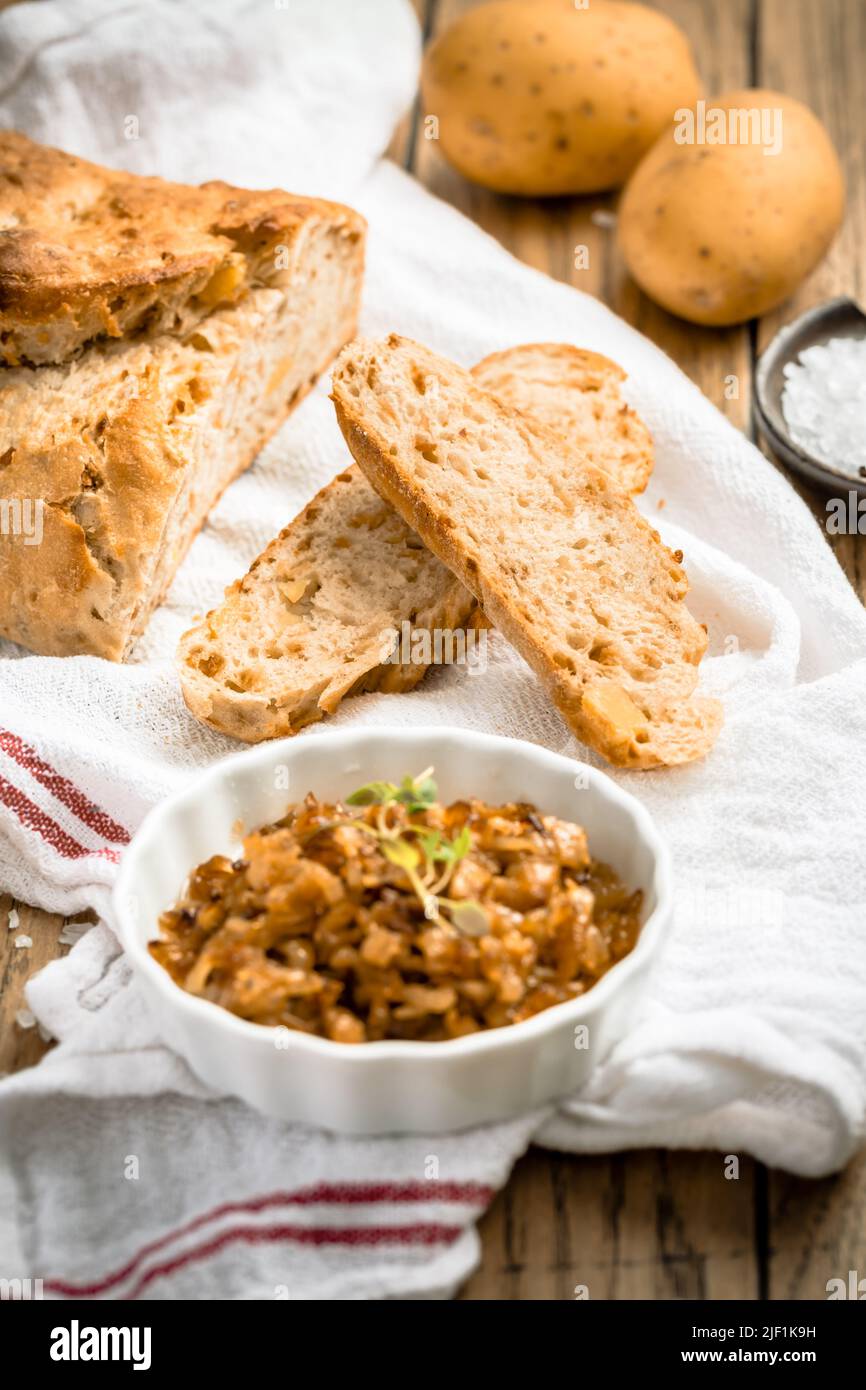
(380, 1087)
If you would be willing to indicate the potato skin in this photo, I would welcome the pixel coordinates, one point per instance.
(536, 97)
(718, 234)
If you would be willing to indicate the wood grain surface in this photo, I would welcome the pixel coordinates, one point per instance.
(653, 1224)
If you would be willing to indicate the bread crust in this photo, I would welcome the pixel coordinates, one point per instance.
(88, 252)
(126, 447)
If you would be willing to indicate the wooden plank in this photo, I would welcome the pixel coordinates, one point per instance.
(639, 1225)
(815, 53)
(22, 1047)
(817, 1232)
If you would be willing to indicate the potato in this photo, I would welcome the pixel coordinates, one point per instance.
(542, 97)
(720, 233)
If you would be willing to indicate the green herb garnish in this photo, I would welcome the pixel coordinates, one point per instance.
(401, 853)
(428, 859)
(373, 794)
(441, 851)
(415, 793)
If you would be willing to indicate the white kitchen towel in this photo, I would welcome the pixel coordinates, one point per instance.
(119, 1173)
(240, 90)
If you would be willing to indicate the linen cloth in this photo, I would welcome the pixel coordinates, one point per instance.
(120, 1175)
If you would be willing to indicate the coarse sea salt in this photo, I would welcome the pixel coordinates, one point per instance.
(824, 403)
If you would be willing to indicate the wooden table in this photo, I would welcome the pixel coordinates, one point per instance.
(649, 1224)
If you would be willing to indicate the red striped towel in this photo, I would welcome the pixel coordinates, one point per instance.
(119, 1174)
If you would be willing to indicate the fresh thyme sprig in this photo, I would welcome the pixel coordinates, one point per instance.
(415, 793)
(428, 859)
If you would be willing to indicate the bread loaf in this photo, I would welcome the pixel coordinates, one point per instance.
(122, 449)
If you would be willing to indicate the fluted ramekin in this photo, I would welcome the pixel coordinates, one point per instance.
(381, 1087)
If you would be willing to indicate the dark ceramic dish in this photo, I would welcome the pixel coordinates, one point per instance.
(838, 318)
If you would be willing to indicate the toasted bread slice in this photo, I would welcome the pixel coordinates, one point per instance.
(559, 557)
(88, 253)
(318, 616)
(577, 393)
(321, 613)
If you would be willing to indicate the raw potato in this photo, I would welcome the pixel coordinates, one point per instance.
(720, 233)
(538, 97)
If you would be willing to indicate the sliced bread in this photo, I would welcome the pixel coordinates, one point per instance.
(577, 393)
(321, 611)
(559, 557)
(316, 616)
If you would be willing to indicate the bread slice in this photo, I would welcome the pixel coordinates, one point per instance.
(126, 449)
(577, 393)
(322, 610)
(559, 557)
(318, 616)
(88, 253)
